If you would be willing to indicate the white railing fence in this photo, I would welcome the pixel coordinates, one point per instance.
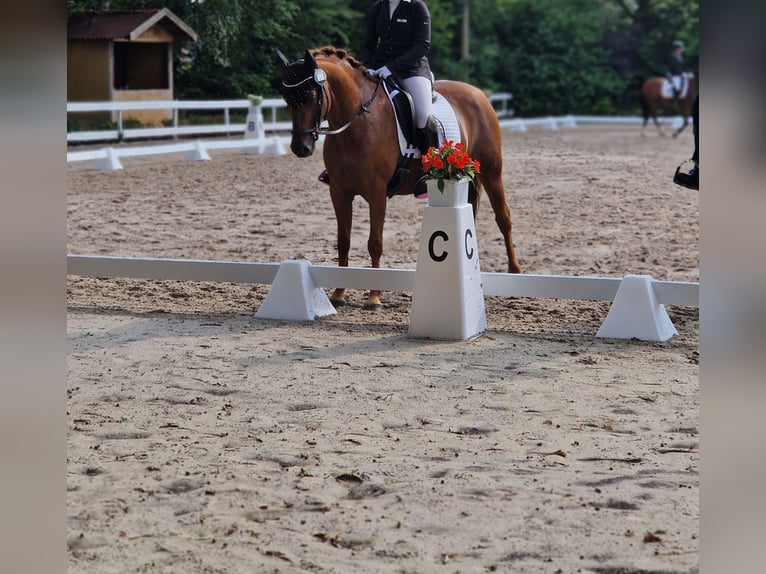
(271, 122)
(259, 135)
(658, 293)
(175, 129)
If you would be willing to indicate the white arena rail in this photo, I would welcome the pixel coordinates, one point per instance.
(270, 124)
(493, 284)
(108, 158)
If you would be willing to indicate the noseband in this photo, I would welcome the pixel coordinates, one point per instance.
(299, 93)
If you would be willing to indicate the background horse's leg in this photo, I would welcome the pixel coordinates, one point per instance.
(656, 121)
(375, 244)
(684, 110)
(344, 212)
(683, 126)
(644, 110)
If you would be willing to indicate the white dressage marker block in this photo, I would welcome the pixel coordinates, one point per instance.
(111, 162)
(275, 147)
(267, 146)
(448, 301)
(294, 296)
(636, 314)
(256, 148)
(254, 130)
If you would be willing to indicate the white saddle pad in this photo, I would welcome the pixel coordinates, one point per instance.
(667, 88)
(447, 120)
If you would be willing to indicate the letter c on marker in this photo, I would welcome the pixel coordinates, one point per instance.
(468, 253)
(431, 240)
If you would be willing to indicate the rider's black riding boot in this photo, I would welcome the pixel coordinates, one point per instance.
(425, 138)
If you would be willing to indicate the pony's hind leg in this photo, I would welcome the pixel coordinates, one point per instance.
(496, 195)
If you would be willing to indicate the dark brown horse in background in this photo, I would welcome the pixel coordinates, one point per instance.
(652, 99)
(361, 149)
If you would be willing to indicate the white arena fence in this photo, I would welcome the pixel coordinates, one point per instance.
(271, 124)
(403, 280)
(174, 130)
(259, 135)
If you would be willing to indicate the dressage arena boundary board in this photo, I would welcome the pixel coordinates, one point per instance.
(635, 304)
(108, 158)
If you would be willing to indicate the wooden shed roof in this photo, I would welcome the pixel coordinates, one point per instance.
(127, 25)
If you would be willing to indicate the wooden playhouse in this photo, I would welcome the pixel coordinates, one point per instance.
(124, 56)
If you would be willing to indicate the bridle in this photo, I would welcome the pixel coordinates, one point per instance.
(297, 94)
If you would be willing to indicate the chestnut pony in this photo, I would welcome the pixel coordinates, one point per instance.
(652, 98)
(361, 149)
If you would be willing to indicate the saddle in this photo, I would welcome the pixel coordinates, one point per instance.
(668, 91)
(404, 113)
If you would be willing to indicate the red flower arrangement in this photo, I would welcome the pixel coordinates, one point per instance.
(449, 161)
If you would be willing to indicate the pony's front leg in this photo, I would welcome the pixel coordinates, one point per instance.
(343, 215)
(375, 246)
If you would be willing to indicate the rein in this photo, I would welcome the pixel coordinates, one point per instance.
(316, 131)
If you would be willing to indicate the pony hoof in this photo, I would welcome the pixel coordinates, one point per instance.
(337, 304)
(372, 307)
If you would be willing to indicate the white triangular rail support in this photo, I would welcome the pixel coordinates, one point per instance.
(109, 163)
(448, 301)
(199, 153)
(294, 296)
(636, 314)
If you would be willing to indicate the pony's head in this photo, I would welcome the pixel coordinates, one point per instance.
(302, 88)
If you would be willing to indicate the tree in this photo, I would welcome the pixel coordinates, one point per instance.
(555, 56)
(555, 61)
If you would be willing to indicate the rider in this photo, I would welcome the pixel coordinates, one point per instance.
(397, 38)
(396, 41)
(676, 68)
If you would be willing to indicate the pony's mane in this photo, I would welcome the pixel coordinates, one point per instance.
(339, 53)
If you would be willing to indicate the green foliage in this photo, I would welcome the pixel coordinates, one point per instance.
(83, 123)
(555, 56)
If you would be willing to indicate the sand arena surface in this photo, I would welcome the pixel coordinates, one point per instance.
(204, 440)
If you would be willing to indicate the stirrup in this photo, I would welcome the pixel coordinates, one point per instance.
(421, 189)
(690, 179)
(397, 181)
